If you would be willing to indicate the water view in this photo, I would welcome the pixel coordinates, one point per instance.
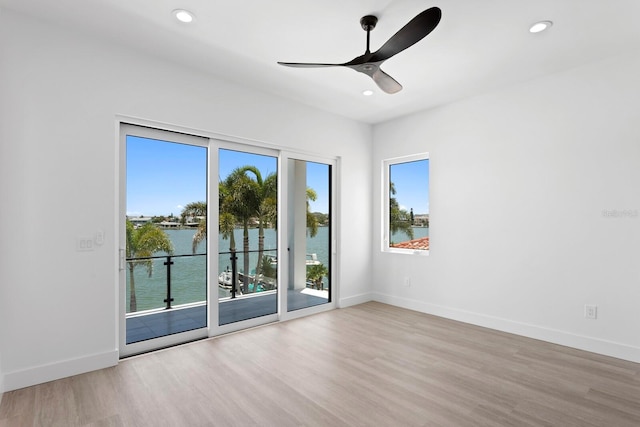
(188, 274)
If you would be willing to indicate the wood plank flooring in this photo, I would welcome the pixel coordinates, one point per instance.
(368, 365)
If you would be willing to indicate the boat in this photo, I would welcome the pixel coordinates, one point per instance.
(225, 279)
(311, 259)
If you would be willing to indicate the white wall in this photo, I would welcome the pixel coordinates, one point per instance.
(519, 182)
(61, 92)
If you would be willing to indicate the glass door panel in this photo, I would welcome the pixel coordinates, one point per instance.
(247, 242)
(309, 231)
(164, 250)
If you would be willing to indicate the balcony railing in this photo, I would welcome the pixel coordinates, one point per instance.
(178, 287)
(242, 283)
(194, 273)
(233, 281)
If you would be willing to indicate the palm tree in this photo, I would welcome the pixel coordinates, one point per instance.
(399, 219)
(242, 200)
(312, 221)
(226, 221)
(269, 272)
(267, 207)
(195, 210)
(315, 273)
(268, 269)
(199, 236)
(143, 242)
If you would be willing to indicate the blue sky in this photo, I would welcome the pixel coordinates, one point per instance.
(411, 181)
(162, 177)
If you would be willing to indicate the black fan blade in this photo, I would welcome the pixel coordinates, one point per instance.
(382, 79)
(410, 34)
(386, 82)
(307, 64)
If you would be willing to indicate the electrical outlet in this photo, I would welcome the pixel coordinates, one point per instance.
(591, 311)
(99, 237)
(407, 282)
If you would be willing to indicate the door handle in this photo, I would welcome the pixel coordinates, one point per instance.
(121, 259)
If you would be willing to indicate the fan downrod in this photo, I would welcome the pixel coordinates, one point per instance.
(368, 22)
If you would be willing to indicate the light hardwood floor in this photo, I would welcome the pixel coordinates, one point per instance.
(368, 365)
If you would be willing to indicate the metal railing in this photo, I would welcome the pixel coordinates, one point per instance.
(233, 257)
(235, 274)
(168, 263)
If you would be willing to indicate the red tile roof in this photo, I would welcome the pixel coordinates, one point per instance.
(416, 244)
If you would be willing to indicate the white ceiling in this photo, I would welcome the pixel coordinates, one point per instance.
(479, 45)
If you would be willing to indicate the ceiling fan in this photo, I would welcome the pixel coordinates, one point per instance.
(370, 62)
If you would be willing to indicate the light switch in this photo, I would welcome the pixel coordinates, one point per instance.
(84, 244)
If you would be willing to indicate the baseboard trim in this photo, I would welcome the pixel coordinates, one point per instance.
(594, 345)
(54, 371)
(355, 300)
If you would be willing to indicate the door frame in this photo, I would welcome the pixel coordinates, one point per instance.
(213, 142)
(283, 227)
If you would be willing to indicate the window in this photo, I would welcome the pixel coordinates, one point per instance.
(406, 204)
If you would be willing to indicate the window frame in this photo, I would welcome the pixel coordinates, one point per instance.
(385, 223)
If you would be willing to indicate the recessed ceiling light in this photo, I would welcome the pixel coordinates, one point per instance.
(367, 92)
(540, 26)
(183, 15)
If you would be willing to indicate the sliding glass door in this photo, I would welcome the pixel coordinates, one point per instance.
(217, 236)
(163, 257)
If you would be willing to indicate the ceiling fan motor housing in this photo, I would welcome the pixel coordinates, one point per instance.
(368, 22)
